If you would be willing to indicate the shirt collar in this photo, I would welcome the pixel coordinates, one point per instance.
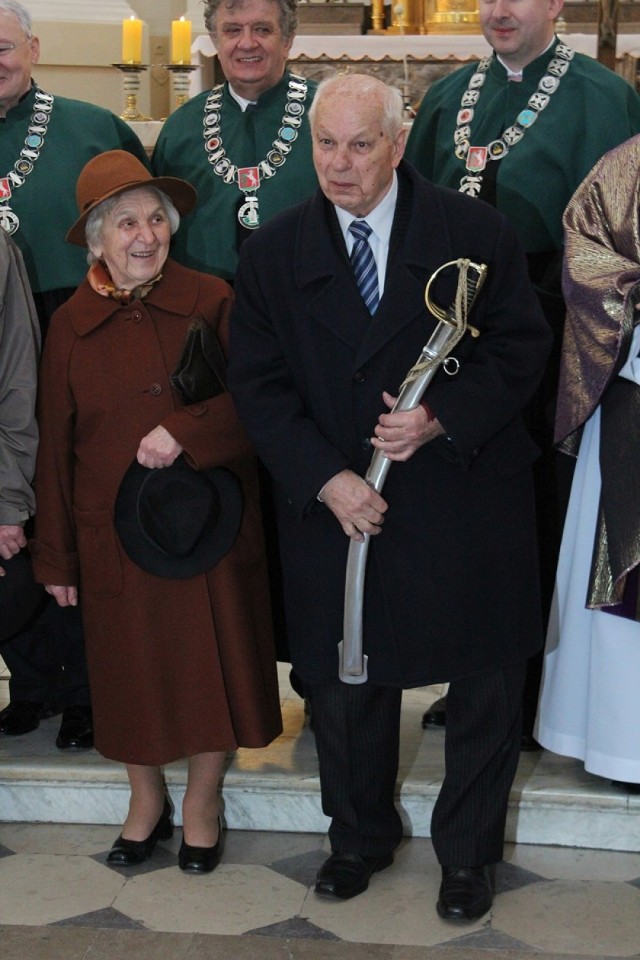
(266, 99)
(518, 73)
(241, 101)
(380, 219)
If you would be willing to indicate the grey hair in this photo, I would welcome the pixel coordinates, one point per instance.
(95, 221)
(287, 10)
(20, 13)
(392, 117)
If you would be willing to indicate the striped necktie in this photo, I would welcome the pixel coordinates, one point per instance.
(364, 264)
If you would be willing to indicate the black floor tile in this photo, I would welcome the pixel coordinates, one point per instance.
(301, 868)
(297, 928)
(107, 919)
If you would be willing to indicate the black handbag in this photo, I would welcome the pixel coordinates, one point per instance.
(201, 372)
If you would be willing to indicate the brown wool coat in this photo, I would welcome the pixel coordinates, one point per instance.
(177, 667)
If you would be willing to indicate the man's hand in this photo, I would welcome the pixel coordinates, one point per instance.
(12, 540)
(158, 449)
(358, 507)
(398, 435)
(64, 596)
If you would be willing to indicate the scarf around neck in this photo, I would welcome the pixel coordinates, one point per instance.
(100, 280)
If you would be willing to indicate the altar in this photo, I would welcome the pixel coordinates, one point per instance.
(412, 62)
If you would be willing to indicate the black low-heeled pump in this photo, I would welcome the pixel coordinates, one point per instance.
(126, 853)
(201, 859)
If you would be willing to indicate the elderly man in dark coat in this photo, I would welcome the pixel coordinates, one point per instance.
(451, 591)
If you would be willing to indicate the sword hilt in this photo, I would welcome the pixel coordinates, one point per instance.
(470, 283)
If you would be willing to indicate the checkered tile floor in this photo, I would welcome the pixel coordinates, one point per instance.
(58, 897)
(549, 900)
(59, 900)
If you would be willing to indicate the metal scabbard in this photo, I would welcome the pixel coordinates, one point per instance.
(449, 331)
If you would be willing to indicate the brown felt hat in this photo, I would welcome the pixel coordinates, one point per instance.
(115, 171)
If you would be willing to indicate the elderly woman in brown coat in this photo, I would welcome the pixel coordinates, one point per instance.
(179, 650)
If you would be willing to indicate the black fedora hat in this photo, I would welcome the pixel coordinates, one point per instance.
(175, 521)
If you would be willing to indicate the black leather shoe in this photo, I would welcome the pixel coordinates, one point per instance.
(345, 875)
(23, 716)
(126, 853)
(76, 729)
(436, 715)
(200, 859)
(465, 893)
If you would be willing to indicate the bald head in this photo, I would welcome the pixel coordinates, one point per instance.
(358, 140)
(361, 88)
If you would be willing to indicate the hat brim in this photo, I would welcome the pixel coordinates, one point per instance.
(181, 193)
(213, 547)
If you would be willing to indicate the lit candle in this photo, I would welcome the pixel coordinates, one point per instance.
(181, 41)
(132, 40)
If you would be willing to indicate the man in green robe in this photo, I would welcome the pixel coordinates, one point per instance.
(245, 145)
(521, 130)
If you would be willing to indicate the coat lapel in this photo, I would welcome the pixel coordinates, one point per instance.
(176, 293)
(323, 275)
(324, 278)
(419, 245)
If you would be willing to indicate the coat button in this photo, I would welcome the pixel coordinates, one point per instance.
(136, 316)
(359, 377)
(155, 389)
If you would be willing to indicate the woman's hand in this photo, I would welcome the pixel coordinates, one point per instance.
(64, 596)
(158, 449)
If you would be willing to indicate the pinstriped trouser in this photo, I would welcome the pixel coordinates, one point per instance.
(357, 736)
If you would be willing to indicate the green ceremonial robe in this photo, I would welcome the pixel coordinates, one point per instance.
(46, 202)
(207, 238)
(592, 111)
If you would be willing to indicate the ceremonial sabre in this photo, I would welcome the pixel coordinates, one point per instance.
(447, 334)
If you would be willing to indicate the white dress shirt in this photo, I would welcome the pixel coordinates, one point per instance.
(380, 219)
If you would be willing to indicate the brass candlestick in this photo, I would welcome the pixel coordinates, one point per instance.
(180, 73)
(131, 87)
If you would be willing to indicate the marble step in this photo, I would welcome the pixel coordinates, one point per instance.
(553, 800)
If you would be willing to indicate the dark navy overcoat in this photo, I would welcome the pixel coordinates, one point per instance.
(451, 587)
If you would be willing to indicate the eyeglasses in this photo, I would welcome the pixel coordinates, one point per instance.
(6, 49)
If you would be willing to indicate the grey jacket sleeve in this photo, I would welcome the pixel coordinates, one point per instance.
(19, 351)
